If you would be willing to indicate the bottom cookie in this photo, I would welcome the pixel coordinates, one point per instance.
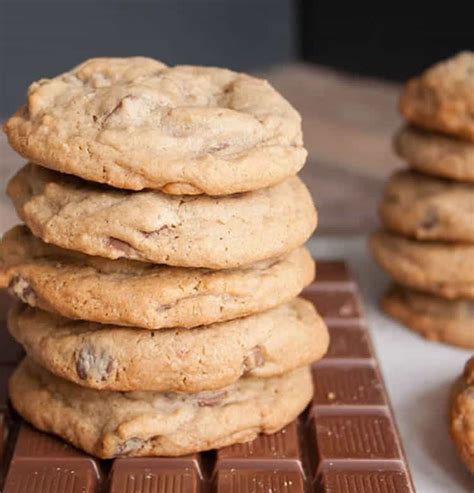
(109, 424)
(462, 415)
(450, 321)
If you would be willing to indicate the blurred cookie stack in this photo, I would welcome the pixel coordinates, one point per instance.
(161, 259)
(427, 245)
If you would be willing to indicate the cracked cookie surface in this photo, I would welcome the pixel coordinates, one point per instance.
(462, 415)
(436, 318)
(436, 154)
(132, 293)
(185, 231)
(189, 360)
(109, 424)
(444, 269)
(442, 97)
(428, 208)
(136, 123)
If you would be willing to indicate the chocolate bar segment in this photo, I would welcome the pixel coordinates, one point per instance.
(249, 480)
(353, 435)
(41, 463)
(156, 475)
(351, 478)
(346, 385)
(279, 451)
(336, 306)
(348, 342)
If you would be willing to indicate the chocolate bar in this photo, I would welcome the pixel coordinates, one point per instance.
(345, 442)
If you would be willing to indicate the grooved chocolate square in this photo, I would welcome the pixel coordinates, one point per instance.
(42, 463)
(281, 450)
(348, 341)
(349, 479)
(156, 475)
(347, 384)
(332, 271)
(351, 435)
(259, 481)
(335, 306)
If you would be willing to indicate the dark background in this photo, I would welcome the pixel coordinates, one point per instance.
(41, 38)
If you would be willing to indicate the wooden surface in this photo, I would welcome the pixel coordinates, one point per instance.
(348, 124)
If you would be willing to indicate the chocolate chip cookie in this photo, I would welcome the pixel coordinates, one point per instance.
(108, 424)
(462, 415)
(436, 154)
(444, 269)
(442, 98)
(186, 231)
(132, 293)
(428, 208)
(436, 318)
(136, 123)
(189, 360)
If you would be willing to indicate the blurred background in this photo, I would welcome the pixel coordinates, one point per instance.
(339, 63)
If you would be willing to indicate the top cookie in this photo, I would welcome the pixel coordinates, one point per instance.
(442, 98)
(136, 123)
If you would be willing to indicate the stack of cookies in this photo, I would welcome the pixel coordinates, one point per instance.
(161, 259)
(427, 246)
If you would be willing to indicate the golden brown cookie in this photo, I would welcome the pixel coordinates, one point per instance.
(436, 154)
(428, 208)
(442, 97)
(189, 360)
(438, 319)
(191, 231)
(108, 424)
(444, 269)
(132, 293)
(136, 123)
(462, 415)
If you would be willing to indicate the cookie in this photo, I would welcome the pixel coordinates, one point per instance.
(462, 415)
(444, 269)
(131, 293)
(436, 318)
(436, 154)
(428, 208)
(442, 98)
(136, 123)
(196, 231)
(108, 424)
(188, 360)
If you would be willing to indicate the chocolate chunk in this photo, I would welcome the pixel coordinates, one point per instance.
(130, 445)
(21, 288)
(97, 365)
(430, 219)
(210, 398)
(253, 360)
(121, 245)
